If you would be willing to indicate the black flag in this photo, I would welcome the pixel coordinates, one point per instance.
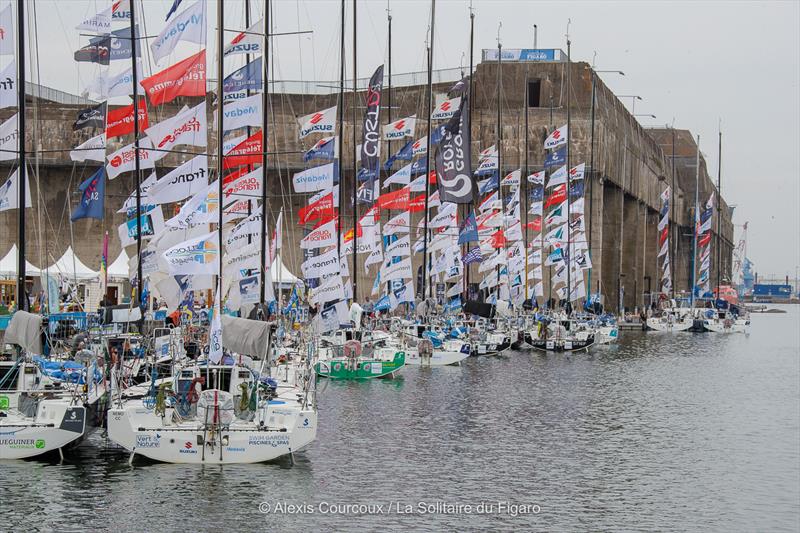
(370, 144)
(98, 51)
(453, 158)
(91, 117)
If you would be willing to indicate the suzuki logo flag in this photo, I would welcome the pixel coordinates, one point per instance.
(319, 122)
(446, 109)
(400, 128)
(557, 138)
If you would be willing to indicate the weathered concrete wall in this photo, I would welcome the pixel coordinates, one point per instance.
(626, 158)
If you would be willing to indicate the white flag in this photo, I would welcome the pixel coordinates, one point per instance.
(399, 248)
(195, 256)
(183, 182)
(400, 128)
(420, 146)
(123, 159)
(99, 23)
(576, 173)
(418, 185)
(201, 208)
(322, 237)
(8, 86)
(401, 177)
(399, 270)
(242, 113)
(152, 223)
(247, 42)
(144, 187)
(9, 192)
(446, 109)
(330, 291)
(513, 178)
(558, 177)
(314, 179)
(9, 138)
(190, 127)
(557, 138)
(215, 335)
(446, 217)
(7, 31)
(320, 122)
(189, 25)
(398, 224)
(321, 265)
(243, 187)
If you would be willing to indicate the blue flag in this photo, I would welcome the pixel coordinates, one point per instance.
(322, 150)
(419, 166)
(556, 158)
(473, 256)
(366, 175)
(247, 77)
(93, 192)
(406, 153)
(576, 189)
(172, 10)
(537, 193)
(488, 185)
(119, 44)
(383, 304)
(453, 305)
(469, 230)
(438, 134)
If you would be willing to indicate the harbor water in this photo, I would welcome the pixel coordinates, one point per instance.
(660, 432)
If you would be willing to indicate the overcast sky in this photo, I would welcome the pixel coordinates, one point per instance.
(694, 62)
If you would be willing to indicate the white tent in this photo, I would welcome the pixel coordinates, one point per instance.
(72, 267)
(118, 270)
(281, 275)
(8, 264)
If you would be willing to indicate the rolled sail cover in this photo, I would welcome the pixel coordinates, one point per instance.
(25, 330)
(246, 337)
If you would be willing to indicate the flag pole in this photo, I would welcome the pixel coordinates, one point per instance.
(471, 205)
(354, 273)
(264, 143)
(428, 155)
(137, 169)
(22, 299)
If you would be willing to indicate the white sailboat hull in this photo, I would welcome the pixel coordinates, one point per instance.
(438, 358)
(659, 324)
(140, 431)
(55, 425)
(727, 326)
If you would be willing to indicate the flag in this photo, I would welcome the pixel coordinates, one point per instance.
(446, 109)
(8, 89)
(7, 31)
(401, 177)
(488, 185)
(93, 192)
(99, 23)
(215, 351)
(406, 153)
(558, 195)
(323, 149)
(557, 138)
(419, 166)
(9, 138)
(318, 210)
(188, 127)
(245, 186)
(398, 199)
(468, 232)
(189, 25)
(120, 120)
(97, 51)
(248, 41)
(185, 78)
(124, 160)
(320, 122)
(9, 193)
(184, 181)
(400, 128)
(473, 256)
(248, 152)
(453, 158)
(93, 149)
(247, 77)
(322, 237)
(371, 142)
(243, 112)
(199, 255)
(398, 224)
(555, 158)
(558, 177)
(175, 4)
(91, 117)
(314, 179)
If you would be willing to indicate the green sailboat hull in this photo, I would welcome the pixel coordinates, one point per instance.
(361, 368)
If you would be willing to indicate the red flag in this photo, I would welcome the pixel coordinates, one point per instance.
(394, 200)
(187, 78)
(233, 176)
(664, 235)
(704, 240)
(247, 152)
(498, 239)
(558, 195)
(120, 120)
(320, 209)
(325, 219)
(417, 204)
(535, 224)
(432, 177)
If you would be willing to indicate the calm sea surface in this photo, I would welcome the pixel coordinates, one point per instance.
(661, 432)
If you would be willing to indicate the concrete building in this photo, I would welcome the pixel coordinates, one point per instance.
(631, 167)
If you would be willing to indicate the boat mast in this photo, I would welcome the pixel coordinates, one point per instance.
(719, 211)
(220, 129)
(354, 273)
(569, 138)
(471, 205)
(389, 149)
(137, 172)
(696, 218)
(22, 298)
(265, 120)
(500, 159)
(428, 153)
(524, 179)
(673, 238)
(340, 140)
